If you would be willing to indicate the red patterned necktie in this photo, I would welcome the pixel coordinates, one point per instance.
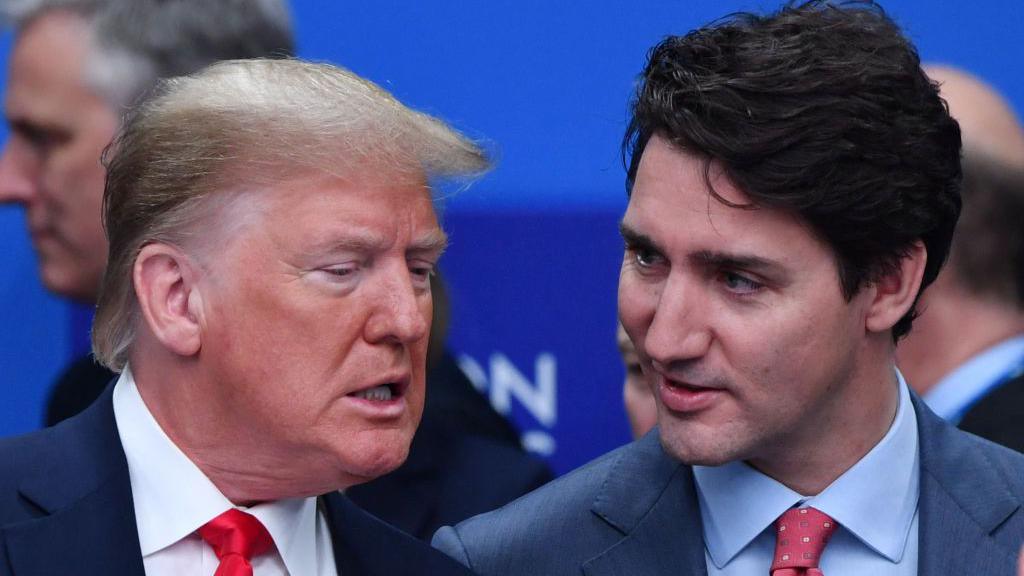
(800, 537)
(236, 537)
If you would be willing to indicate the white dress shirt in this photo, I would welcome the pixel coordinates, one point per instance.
(173, 498)
(874, 502)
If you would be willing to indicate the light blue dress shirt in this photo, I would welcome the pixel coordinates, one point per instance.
(961, 388)
(874, 502)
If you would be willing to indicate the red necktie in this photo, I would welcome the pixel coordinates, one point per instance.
(801, 536)
(236, 537)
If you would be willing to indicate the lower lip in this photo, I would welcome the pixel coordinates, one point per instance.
(685, 398)
(379, 409)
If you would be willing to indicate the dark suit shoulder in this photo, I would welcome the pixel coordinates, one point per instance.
(76, 389)
(999, 415)
(574, 493)
(23, 458)
(448, 477)
(56, 466)
(583, 507)
(366, 546)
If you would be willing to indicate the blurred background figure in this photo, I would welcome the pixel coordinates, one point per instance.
(636, 393)
(465, 459)
(75, 68)
(966, 353)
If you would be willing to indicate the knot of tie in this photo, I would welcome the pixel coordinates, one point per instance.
(236, 537)
(800, 537)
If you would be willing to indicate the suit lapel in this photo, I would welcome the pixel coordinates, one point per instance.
(81, 489)
(963, 502)
(650, 498)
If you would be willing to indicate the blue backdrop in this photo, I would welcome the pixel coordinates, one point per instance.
(535, 252)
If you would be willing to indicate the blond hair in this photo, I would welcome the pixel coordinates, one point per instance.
(250, 122)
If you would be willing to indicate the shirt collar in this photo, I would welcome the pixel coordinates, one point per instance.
(173, 498)
(952, 395)
(738, 503)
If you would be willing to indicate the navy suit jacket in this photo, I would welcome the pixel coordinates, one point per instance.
(66, 508)
(634, 511)
(465, 459)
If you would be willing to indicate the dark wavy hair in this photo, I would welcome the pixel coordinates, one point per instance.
(820, 109)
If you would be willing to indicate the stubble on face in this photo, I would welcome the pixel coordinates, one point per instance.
(740, 324)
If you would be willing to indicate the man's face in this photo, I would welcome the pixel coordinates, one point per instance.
(316, 314)
(51, 161)
(737, 315)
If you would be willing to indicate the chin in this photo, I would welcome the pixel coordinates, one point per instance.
(684, 448)
(374, 462)
(67, 286)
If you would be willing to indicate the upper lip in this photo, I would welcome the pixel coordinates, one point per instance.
(398, 381)
(669, 380)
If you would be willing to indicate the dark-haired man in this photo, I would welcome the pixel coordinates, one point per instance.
(794, 184)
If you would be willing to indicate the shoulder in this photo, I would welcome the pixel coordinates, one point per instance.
(364, 544)
(970, 481)
(499, 467)
(1007, 463)
(81, 383)
(999, 415)
(947, 450)
(61, 463)
(22, 459)
(554, 529)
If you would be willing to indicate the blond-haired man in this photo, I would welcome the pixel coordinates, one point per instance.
(267, 303)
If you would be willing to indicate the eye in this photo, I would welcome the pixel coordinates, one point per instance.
(340, 271)
(644, 257)
(739, 283)
(40, 140)
(421, 272)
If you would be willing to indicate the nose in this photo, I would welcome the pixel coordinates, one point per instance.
(18, 173)
(399, 314)
(679, 330)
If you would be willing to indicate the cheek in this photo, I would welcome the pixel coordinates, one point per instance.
(637, 303)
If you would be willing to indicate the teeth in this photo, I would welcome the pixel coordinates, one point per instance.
(379, 393)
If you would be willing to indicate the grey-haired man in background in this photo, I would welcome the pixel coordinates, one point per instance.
(76, 67)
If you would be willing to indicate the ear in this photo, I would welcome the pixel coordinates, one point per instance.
(895, 292)
(168, 294)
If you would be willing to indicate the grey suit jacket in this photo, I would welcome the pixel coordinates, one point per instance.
(634, 512)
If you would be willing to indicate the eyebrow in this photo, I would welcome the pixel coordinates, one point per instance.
(711, 258)
(634, 238)
(435, 241)
(741, 261)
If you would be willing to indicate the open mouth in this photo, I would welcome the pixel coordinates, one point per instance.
(686, 387)
(392, 388)
(380, 393)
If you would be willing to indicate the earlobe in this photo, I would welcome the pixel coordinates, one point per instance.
(894, 293)
(166, 287)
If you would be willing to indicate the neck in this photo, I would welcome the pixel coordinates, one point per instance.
(953, 329)
(847, 425)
